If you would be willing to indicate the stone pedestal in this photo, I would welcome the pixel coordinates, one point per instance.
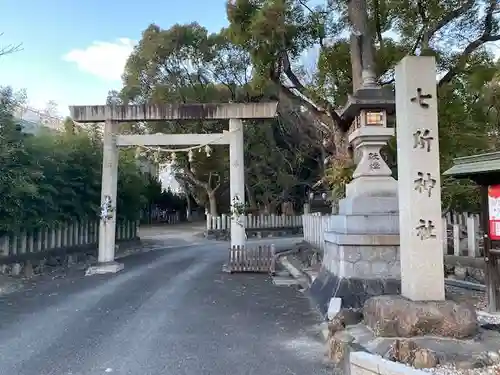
(361, 258)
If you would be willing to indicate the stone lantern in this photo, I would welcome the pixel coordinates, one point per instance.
(361, 253)
(368, 110)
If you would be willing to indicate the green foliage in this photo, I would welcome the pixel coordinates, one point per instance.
(277, 33)
(337, 176)
(185, 64)
(57, 177)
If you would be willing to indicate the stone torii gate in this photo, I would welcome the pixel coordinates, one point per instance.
(111, 116)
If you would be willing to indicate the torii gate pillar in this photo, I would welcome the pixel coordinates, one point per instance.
(107, 226)
(237, 180)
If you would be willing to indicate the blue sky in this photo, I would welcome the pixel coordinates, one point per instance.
(74, 51)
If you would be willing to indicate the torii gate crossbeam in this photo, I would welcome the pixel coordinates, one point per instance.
(113, 115)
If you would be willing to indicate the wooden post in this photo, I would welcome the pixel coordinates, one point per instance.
(4, 250)
(456, 239)
(445, 236)
(472, 236)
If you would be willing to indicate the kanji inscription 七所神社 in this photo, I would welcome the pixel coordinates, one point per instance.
(422, 139)
(420, 98)
(426, 183)
(419, 188)
(425, 229)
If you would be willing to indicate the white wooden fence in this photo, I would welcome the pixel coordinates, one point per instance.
(460, 232)
(61, 236)
(223, 222)
(315, 225)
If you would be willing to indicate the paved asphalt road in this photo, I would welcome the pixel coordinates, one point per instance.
(169, 312)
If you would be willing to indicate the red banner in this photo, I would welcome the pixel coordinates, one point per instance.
(494, 211)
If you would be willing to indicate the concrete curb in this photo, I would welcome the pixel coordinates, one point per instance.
(296, 273)
(465, 284)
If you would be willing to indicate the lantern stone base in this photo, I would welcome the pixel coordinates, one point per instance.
(374, 187)
(354, 291)
(103, 268)
(361, 258)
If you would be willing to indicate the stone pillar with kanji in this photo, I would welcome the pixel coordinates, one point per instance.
(419, 191)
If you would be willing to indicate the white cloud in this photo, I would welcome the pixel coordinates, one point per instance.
(105, 60)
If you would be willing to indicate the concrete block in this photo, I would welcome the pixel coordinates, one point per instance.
(334, 307)
(103, 268)
(362, 363)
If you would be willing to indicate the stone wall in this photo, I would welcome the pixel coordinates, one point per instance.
(364, 256)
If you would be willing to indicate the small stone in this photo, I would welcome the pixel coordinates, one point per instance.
(494, 357)
(460, 273)
(335, 325)
(16, 269)
(28, 269)
(486, 359)
(448, 269)
(338, 347)
(402, 351)
(425, 358)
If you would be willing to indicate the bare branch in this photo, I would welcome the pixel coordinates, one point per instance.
(449, 18)
(475, 44)
(10, 48)
(191, 177)
(378, 24)
(327, 112)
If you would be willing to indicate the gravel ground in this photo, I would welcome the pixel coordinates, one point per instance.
(476, 298)
(450, 370)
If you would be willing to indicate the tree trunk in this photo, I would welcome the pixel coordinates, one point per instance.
(213, 202)
(252, 204)
(358, 15)
(356, 66)
(266, 209)
(342, 147)
(188, 207)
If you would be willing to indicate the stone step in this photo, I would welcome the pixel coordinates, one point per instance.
(285, 281)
